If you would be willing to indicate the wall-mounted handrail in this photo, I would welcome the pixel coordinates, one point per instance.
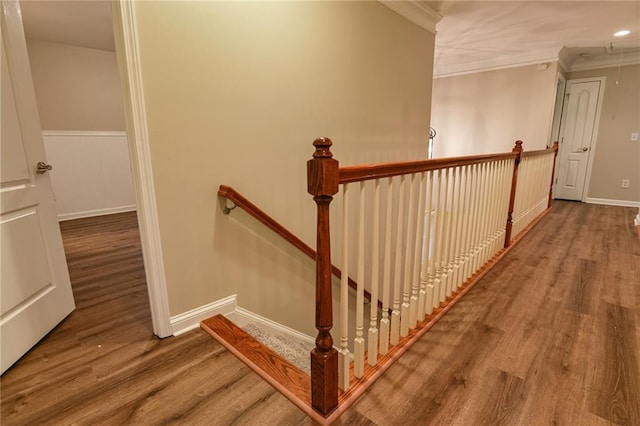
(256, 212)
(239, 200)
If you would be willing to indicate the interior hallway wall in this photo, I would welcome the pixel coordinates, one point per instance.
(486, 112)
(616, 157)
(235, 94)
(79, 98)
(76, 88)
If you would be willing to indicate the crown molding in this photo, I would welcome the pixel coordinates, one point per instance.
(598, 62)
(567, 62)
(564, 59)
(534, 58)
(418, 12)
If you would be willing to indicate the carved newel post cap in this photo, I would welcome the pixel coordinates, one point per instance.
(322, 170)
(323, 148)
(518, 146)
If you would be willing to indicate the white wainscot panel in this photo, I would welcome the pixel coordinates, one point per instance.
(91, 173)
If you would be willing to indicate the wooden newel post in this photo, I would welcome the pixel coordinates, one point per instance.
(322, 183)
(512, 198)
(553, 171)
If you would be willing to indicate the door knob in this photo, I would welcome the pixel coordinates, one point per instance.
(42, 167)
(584, 149)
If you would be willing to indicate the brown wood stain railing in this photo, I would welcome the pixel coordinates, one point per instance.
(324, 177)
(377, 171)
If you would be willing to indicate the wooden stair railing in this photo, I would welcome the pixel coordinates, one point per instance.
(449, 221)
(455, 224)
(257, 213)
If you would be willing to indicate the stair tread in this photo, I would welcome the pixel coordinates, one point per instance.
(281, 374)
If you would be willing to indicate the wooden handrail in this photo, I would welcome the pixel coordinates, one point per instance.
(239, 200)
(359, 173)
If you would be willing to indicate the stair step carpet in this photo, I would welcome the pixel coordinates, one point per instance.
(296, 352)
(288, 379)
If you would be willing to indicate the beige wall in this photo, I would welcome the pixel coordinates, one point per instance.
(235, 94)
(488, 111)
(76, 88)
(616, 157)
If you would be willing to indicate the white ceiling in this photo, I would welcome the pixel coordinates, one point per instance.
(472, 35)
(476, 35)
(84, 23)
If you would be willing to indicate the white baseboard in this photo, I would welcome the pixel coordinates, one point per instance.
(607, 202)
(228, 307)
(99, 212)
(189, 320)
(242, 317)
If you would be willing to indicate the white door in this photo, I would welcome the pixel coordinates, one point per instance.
(35, 291)
(578, 133)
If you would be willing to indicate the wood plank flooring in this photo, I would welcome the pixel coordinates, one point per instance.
(283, 375)
(550, 336)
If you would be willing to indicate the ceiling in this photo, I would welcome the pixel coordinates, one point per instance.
(80, 23)
(472, 35)
(478, 35)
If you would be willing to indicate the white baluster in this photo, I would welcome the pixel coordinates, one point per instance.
(372, 340)
(475, 229)
(441, 271)
(441, 206)
(405, 316)
(497, 212)
(417, 253)
(474, 221)
(487, 215)
(397, 280)
(496, 246)
(471, 221)
(344, 357)
(484, 203)
(423, 246)
(491, 211)
(453, 231)
(429, 246)
(506, 188)
(460, 213)
(386, 283)
(358, 342)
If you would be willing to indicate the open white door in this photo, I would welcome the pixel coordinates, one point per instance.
(578, 134)
(35, 290)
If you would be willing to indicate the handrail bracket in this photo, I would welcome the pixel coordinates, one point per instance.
(225, 208)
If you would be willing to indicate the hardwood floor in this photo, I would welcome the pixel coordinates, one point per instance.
(550, 336)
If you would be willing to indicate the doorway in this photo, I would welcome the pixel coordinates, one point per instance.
(96, 21)
(578, 134)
